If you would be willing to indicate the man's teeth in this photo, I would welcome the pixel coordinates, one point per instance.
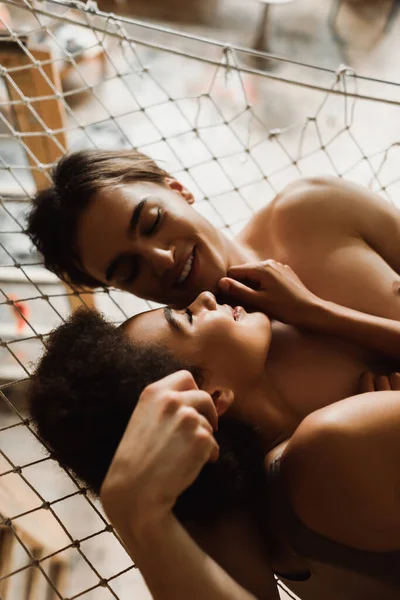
(186, 269)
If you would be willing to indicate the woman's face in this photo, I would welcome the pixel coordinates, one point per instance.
(231, 345)
(145, 238)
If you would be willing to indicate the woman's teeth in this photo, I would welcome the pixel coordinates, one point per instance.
(237, 313)
(186, 269)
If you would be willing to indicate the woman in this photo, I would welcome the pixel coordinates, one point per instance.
(273, 377)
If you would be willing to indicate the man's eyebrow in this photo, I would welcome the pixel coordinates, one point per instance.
(169, 317)
(136, 216)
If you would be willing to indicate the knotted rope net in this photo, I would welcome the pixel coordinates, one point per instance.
(235, 134)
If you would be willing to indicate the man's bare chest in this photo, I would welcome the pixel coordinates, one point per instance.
(341, 269)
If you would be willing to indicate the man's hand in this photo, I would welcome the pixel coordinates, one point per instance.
(369, 382)
(272, 288)
(168, 440)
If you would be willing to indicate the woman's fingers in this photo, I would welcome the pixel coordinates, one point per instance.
(395, 381)
(212, 448)
(366, 383)
(181, 388)
(200, 432)
(382, 383)
(179, 381)
(379, 383)
(202, 402)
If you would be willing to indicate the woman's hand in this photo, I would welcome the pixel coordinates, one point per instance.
(369, 382)
(168, 440)
(272, 288)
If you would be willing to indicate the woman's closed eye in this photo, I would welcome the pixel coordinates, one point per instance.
(189, 315)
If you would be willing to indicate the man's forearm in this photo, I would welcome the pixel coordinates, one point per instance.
(367, 331)
(173, 565)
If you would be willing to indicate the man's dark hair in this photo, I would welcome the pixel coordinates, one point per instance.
(81, 399)
(53, 219)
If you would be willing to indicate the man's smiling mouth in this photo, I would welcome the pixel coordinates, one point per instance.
(186, 269)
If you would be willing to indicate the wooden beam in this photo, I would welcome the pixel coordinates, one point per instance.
(26, 81)
(42, 111)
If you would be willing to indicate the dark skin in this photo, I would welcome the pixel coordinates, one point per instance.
(236, 542)
(344, 244)
(240, 566)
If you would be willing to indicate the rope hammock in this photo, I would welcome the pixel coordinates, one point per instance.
(74, 77)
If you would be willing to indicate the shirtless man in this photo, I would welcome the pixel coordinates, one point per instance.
(115, 218)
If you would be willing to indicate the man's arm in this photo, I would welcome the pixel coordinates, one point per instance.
(341, 471)
(344, 243)
(367, 331)
(280, 294)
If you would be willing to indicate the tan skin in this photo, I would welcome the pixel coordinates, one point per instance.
(260, 373)
(341, 240)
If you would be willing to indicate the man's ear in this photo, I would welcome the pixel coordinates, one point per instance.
(176, 186)
(223, 399)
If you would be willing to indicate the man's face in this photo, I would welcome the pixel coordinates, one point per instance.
(147, 239)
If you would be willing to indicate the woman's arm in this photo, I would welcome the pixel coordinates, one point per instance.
(167, 442)
(280, 294)
(341, 471)
(175, 568)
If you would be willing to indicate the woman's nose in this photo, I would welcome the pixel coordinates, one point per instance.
(204, 301)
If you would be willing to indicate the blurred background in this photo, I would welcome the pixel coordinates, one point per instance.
(236, 99)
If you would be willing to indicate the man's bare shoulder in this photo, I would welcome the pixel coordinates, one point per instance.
(330, 198)
(298, 202)
(310, 200)
(326, 212)
(297, 210)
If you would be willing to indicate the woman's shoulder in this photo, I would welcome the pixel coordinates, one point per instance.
(340, 471)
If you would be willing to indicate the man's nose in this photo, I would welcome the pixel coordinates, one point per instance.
(204, 301)
(162, 259)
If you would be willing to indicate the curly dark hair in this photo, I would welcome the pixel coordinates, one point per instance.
(82, 396)
(76, 178)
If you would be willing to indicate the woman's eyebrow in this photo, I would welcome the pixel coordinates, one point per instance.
(171, 320)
